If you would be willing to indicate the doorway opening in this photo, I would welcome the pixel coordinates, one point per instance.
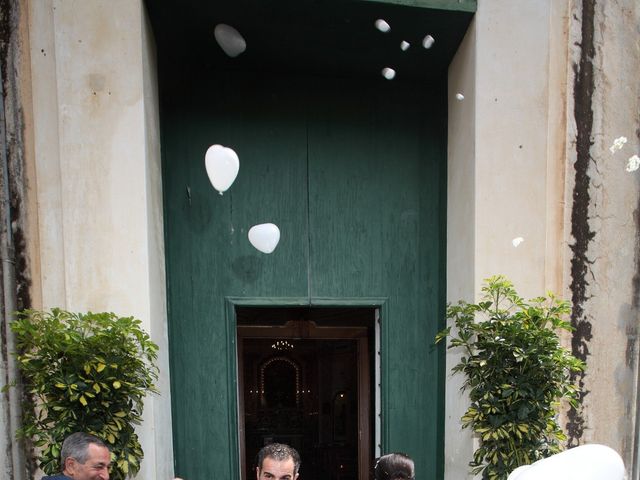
(306, 378)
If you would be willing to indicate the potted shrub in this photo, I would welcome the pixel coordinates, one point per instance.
(84, 372)
(516, 374)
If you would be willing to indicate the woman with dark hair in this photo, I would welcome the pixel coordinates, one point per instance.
(394, 466)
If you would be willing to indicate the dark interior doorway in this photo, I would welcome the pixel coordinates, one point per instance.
(305, 380)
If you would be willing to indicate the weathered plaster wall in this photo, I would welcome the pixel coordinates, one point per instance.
(506, 166)
(549, 98)
(15, 229)
(459, 445)
(97, 177)
(603, 222)
(513, 120)
(157, 425)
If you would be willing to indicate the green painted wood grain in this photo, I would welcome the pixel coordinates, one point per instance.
(452, 5)
(376, 178)
(208, 254)
(352, 172)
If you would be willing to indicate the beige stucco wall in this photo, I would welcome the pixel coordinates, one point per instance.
(461, 250)
(97, 185)
(504, 167)
(511, 173)
(512, 124)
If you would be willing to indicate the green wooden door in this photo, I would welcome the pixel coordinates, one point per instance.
(354, 174)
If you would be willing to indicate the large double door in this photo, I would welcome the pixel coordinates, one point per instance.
(305, 377)
(353, 173)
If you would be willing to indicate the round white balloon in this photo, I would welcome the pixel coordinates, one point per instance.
(382, 25)
(229, 40)
(428, 41)
(264, 237)
(388, 73)
(222, 166)
(586, 462)
(518, 471)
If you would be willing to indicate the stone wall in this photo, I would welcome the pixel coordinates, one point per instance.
(552, 84)
(603, 221)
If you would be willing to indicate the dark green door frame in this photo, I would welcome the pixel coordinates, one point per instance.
(355, 176)
(451, 5)
(379, 303)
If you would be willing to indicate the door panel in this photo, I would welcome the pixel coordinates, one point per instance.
(376, 172)
(208, 254)
(353, 173)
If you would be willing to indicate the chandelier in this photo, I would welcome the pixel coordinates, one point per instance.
(281, 345)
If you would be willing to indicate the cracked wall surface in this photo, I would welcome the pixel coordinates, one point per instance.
(16, 220)
(603, 272)
(581, 230)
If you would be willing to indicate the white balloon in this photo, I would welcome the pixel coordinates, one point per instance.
(518, 471)
(428, 41)
(586, 462)
(382, 25)
(264, 237)
(222, 166)
(229, 40)
(404, 45)
(388, 73)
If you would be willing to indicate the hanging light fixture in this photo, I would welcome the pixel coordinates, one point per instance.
(281, 345)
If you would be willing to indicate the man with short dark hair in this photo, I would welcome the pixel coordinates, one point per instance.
(278, 461)
(83, 457)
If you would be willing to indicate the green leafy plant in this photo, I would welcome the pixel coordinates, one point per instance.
(84, 372)
(516, 375)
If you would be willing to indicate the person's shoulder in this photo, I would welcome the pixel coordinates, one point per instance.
(56, 477)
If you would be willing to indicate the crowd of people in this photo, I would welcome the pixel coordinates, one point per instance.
(86, 457)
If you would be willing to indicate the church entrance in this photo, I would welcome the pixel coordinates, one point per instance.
(305, 379)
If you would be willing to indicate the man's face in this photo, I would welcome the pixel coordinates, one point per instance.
(274, 470)
(95, 468)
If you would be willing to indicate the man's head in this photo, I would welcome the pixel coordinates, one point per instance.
(85, 457)
(277, 461)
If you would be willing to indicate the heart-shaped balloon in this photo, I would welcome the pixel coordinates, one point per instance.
(264, 237)
(586, 462)
(229, 40)
(222, 166)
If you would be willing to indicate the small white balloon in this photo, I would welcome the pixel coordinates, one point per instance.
(404, 46)
(383, 26)
(586, 462)
(264, 237)
(388, 73)
(222, 166)
(517, 241)
(229, 40)
(459, 97)
(428, 41)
